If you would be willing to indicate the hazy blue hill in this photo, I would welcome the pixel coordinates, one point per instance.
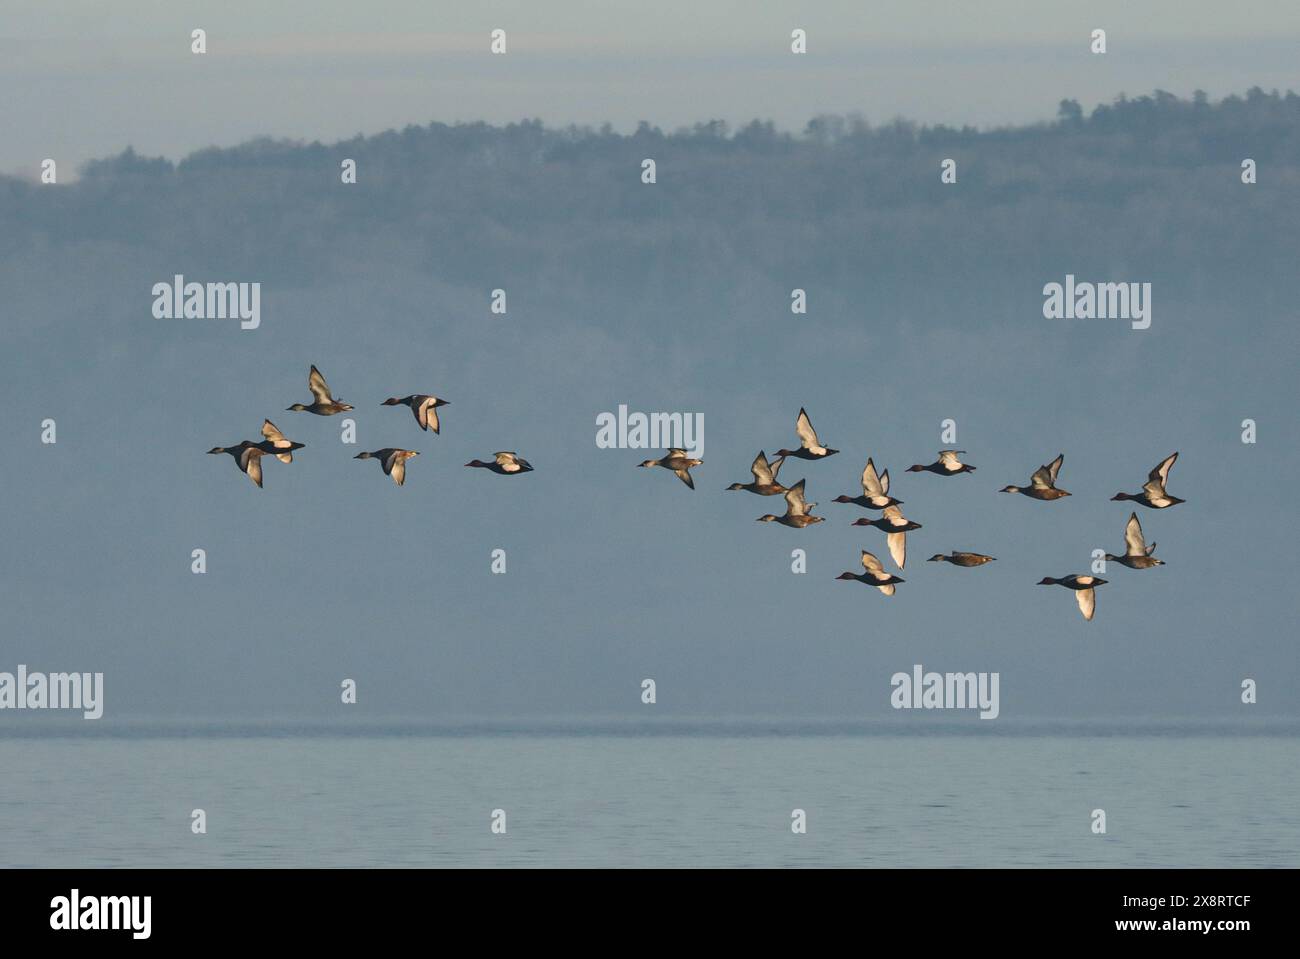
(1150, 181)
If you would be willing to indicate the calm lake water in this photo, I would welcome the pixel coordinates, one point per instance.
(664, 800)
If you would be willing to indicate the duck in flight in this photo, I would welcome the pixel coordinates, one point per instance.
(810, 448)
(1082, 585)
(875, 490)
(946, 465)
(423, 405)
(1042, 485)
(874, 575)
(276, 443)
(679, 463)
(248, 457)
(392, 460)
(798, 512)
(323, 404)
(507, 464)
(896, 527)
(961, 559)
(1153, 493)
(1137, 554)
(765, 483)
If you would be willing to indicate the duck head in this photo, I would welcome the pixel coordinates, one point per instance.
(1048, 581)
(847, 576)
(1121, 497)
(916, 468)
(937, 558)
(768, 518)
(391, 401)
(842, 499)
(217, 449)
(733, 485)
(861, 522)
(296, 408)
(649, 463)
(1009, 489)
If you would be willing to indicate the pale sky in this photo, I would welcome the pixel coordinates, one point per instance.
(86, 79)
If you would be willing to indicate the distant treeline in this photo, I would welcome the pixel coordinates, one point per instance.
(1149, 184)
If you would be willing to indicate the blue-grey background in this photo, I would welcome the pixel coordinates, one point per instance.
(925, 303)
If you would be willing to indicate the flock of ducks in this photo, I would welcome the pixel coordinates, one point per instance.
(798, 511)
(424, 406)
(876, 496)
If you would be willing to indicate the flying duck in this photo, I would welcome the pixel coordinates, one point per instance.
(875, 490)
(507, 464)
(946, 465)
(679, 463)
(1137, 554)
(810, 447)
(874, 575)
(423, 405)
(896, 526)
(1153, 493)
(962, 559)
(275, 441)
(324, 404)
(798, 512)
(248, 457)
(765, 483)
(392, 460)
(1083, 585)
(1042, 485)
